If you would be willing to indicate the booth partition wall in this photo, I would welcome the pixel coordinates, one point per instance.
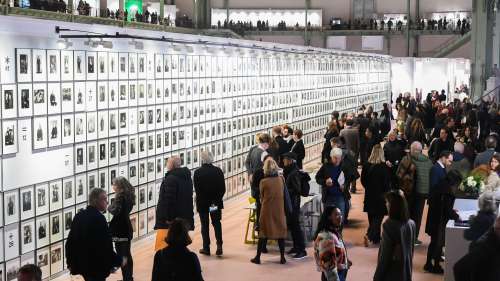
(74, 118)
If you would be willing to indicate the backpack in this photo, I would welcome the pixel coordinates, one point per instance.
(305, 188)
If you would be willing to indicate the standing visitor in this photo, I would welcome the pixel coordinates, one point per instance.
(493, 180)
(210, 188)
(485, 218)
(438, 171)
(282, 144)
(331, 133)
(298, 147)
(376, 178)
(394, 150)
(254, 157)
(89, 248)
(293, 181)
(120, 225)
(272, 221)
(438, 145)
(330, 252)
(176, 262)
(29, 272)
(174, 201)
(351, 136)
(395, 256)
(485, 156)
(332, 180)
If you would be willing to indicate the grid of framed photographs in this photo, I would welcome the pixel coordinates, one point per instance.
(126, 113)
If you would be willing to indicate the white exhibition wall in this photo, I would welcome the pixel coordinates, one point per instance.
(427, 74)
(291, 17)
(74, 118)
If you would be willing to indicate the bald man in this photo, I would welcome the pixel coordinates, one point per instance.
(175, 200)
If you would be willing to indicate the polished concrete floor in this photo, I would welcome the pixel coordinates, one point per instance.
(235, 265)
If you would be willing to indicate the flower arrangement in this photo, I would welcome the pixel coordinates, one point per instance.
(473, 184)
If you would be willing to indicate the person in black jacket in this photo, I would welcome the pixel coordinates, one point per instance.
(394, 151)
(441, 201)
(176, 262)
(376, 179)
(282, 144)
(485, 218)
(298, 147)
(89, 248)
(438, 145)
(210, 188)
(332, 132)
(175, 199)
(120, 225)
(293, 183)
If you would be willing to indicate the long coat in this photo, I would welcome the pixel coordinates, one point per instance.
(376, 180)
(210, 187)
(272, 214)
(395, 256)
(176, 263)
(175, 199)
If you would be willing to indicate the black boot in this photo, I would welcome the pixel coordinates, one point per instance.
(219, 250)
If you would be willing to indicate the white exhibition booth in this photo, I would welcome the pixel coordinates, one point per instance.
(291, 17)
(427, 74)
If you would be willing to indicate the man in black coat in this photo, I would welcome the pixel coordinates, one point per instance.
(293, 183)
(176, 196)
(210, 188)
(443, 143)
(282, 144)
(481, 263)
(89, 248)
(298, 148)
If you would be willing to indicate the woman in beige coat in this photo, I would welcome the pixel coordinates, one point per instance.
(272, 219)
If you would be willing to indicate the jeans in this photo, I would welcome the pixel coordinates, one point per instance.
(417, 204)
(374, 227)
(205, 232)
(338, 201)
(123, 250)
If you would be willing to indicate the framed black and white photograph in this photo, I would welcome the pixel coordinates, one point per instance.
(28, 236)
(23, 64)
(39, 99)
(151, 200)
(80, 127)
(80, 65)
(25, 100)
(92, 155)
(55, 188)
(113, 94)
(133, 149)
(132, 66)
(141, 66)
(80, 188)
(66, 65)
(11, 241)
(142, 197)
(151, 219)
(42, 198)
(27, 202)
(42, 231)
(39, 65)
(11, 269)
(143, 173)
(103, 153)
(102, 58)
(68, 192)
(133, 173)
(11, 206)
(123, 94)
(54, 98)
(113, 66)
(102, 95)
(102, 124)
(39, 132)
(123, 157)
(91, 66)
(80, 96)
(123, 122)
(56, 231)
(9, 129)
(91, 125)
(68, 136)
(123, 66)
(132, 121)
(68, 215)
(42, 261)
(80, 158)
(91, 100)
(92, 180)
(53, 65)
(9, 101)
(143, 220)
(103, 179)
(67, 103)
(54, 130)
(113, 123)
(113, 151)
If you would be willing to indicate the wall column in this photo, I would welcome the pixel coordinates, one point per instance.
(121, 5)
(103, 4)
(162, 9)
(482, 43)
(408, 16)
(226, 6)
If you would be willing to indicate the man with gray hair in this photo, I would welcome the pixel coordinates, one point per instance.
(175, 200)
(416, 200)
(460, 162)
(89, 248)
(210, 188)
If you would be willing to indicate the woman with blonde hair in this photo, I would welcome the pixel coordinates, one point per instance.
(272, 220)
(376, 179)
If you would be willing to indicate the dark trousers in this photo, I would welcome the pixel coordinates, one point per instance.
(215, 216)
(295, 229)
(374, 226)
(417, 204)
(261, 245)
(123, 250)
(257, 213)
(435, 249)
(88, 278)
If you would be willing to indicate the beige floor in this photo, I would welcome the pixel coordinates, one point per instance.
(235, 265)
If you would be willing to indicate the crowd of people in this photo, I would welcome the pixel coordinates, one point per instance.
(419, 154)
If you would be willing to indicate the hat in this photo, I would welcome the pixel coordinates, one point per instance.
(289, 155)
